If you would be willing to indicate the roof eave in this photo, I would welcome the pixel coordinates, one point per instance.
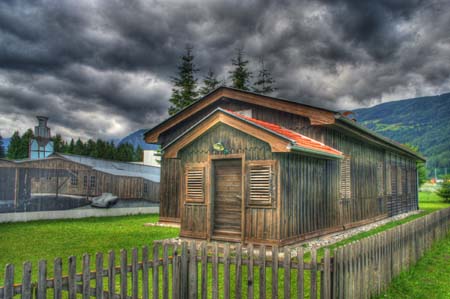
(301, 149)
(380, 137)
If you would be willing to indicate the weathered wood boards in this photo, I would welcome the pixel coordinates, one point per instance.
(380, 179)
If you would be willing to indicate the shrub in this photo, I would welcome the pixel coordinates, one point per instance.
(444, 190)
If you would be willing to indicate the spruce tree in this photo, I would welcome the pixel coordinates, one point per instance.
(71, 147)
(2, 148)
(184, 91)
(210, 83)
(264, 83)
(58, 144)
(14, 146)
(79, 148)
(25, 144)
(138, 154)
(240, 75)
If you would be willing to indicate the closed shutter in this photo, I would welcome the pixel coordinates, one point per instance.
(346, 186)
(388, 180)
(261, 183)
(380, 180)
(400, 182)
(194, 183)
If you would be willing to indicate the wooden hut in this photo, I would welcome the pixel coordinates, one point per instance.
(63, 181)
(239, 166)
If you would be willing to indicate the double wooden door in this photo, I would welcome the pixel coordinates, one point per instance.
(227, 199)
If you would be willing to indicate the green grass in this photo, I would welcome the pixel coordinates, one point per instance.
(38, 240)
(33, 241)
(429, 278)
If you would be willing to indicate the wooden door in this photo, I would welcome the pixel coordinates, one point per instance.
(227, 177)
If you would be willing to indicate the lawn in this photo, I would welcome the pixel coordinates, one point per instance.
(36, 240)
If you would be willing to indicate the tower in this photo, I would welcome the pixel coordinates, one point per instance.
(41, 145)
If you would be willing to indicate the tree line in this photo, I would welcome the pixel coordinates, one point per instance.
(186, 88)
(19, 146)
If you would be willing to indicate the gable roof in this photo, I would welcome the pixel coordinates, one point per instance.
(280, 139)
(315, 114)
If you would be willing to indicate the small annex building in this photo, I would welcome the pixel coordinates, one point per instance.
(64, 181)
(239, 166)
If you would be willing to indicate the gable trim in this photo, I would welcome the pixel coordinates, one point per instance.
(317, 116)
(277, 143)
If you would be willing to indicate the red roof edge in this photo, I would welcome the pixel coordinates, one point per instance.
(297, 139)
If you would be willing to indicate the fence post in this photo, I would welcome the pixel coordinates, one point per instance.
(8, 292)
(42, 280)
(57, 281)
(26, 281)
(287, 272)
(123, 274)
(99, 275)
(134, 274)
(193, 270)
(86, 276)
(72, 277)
(112, 274)
(184, 269)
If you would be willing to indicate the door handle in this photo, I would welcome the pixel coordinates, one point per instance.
(238, 196)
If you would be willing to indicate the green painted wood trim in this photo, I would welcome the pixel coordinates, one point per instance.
(297, 148)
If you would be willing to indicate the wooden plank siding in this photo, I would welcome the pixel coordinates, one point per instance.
(260, 223)
(308, 202)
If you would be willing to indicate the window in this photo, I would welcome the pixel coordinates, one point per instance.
(346, 187)
(195, 183)
(145, 187)
(261, 183)
(74, 178)
(380, 181)
(93, 181)
(85, 182)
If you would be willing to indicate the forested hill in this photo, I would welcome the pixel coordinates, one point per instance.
(423, 122)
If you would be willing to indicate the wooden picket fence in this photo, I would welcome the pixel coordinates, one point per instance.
(180, 271)
(199, 270)
(365, 268)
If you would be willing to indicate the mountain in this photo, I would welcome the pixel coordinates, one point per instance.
(423, 122)
(6, 143)
(137, 138)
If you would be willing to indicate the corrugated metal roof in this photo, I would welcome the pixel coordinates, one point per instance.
(151, 173)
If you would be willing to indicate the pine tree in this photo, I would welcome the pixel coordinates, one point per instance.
(79, 148)
(138, 154)
(2, 148)
(240, 75)
(58, 144)
(25, 144)
(210, 83)
(14, 146)
(265, 83)
(184, 91)
(71, 147)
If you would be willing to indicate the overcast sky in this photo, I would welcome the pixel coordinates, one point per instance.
(102, 69)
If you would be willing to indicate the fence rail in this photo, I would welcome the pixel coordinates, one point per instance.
(191, 270)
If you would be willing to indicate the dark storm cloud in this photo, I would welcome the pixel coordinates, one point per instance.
(102, 68)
